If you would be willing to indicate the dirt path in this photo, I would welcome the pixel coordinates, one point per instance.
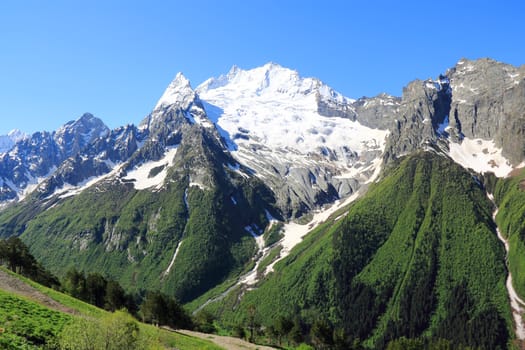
(14, 285)
(229, 343)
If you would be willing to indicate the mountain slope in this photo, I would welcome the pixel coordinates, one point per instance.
(417, 256)
(33, 316)
(32, 159)
(298, 135)
(195, 201)
(171, 214)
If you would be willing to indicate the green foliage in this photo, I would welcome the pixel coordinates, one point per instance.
(27, 325)
(386, 270)
(274, 234)
(204, 322)
(97, 290)
(437, 221)
(510, 197)
(132, 235)
(159, 309)
(114, 332)
(15, 254)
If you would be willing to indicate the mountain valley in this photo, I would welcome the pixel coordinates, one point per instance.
(261, 195)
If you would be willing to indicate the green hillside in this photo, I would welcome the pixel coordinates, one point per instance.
(132, 235)
(27, 324)
(509, 195)
(417, 257)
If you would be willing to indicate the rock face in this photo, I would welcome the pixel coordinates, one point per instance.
(300, 137)
(478, 100)
(9, 140)
(377, 112)
(424, 106)
(211, 167)
(36, 157)
(488, 102)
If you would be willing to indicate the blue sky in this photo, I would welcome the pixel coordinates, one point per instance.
(59, 59)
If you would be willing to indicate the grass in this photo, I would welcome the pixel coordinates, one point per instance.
(25, 324)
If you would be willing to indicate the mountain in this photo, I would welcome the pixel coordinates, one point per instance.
(34, 158)
(261, 187)
(416, 256)
(134, 200)
(296, 134)
(9, 140)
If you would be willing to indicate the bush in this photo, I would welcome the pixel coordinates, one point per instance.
(114, 332)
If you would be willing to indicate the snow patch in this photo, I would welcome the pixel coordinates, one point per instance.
(173, 259)
(442, 128)
(237, 168)
(199, 185)
(280, 110)
(186, 200)
(142, 175)
(259, 239)
(294, 233)
(481, 156)
(179, 93)
(517, 304)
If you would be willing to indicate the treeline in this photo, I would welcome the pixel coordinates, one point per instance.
(15, 255)
(153, 307)
(93, 288)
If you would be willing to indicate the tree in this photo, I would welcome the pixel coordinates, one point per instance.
(321, 334)
(252, 312)
(239, 332)
(75, 284)
(96, 289)
(405, 344)
(296, 333)
(283, 326)
(115, 296)
(160, 309)
(16, 255)
(113, 332)
(204, 322)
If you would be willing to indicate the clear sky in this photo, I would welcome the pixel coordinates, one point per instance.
(59, 59)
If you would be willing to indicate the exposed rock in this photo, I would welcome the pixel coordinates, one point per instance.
(488, 102)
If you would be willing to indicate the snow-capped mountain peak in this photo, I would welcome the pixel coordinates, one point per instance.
(272, 81)
(179, 92)
(9, 140)
(76, 134)
(294, 130)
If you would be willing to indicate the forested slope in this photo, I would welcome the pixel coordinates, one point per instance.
(416, 257)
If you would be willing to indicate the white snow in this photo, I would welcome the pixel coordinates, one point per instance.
(141, 174)
(9, 140)
(443, 126)
(198, 184)
(294, 233)
(272, 111)
(179, 92)
(186, 200)
(32, 184)
(517, 304)
(481, 156)
(259, 239)
(237, 168)
(173, 259)
(69, 190)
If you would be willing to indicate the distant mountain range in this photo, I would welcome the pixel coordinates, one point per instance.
(263, 187)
